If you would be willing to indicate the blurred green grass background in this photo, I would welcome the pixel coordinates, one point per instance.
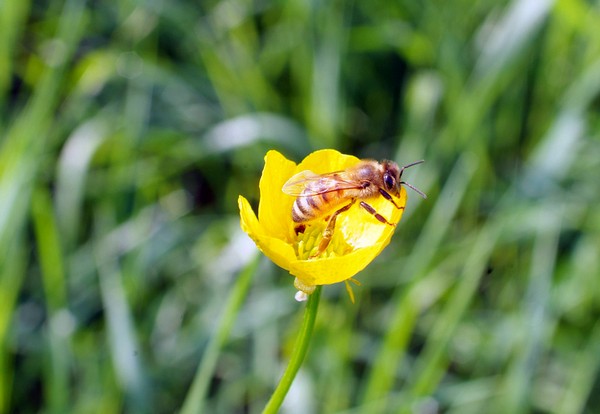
(128, 129)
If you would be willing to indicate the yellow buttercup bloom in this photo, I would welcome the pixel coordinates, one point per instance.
(357, 239)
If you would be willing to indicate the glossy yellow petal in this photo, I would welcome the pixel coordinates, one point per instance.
(275, 207)
(325, 161)
(280, 252)
(336, 269)
(357, 239)
(360, 229)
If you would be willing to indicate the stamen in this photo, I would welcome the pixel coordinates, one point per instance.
(350, 291)
(306, 244)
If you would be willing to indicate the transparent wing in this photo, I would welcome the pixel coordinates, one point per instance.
(307, 183)
(297, 183)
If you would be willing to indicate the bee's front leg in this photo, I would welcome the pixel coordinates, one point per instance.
(375, 214)
(328, 232)
(388, 197)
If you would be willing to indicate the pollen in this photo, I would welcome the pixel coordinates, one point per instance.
(306, 243)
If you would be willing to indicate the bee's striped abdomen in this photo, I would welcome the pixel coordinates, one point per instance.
(305, 209)
(312, 206)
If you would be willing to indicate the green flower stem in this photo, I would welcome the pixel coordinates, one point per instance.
(298, 354)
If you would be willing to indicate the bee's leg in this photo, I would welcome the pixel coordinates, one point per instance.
(328, 232)
(388, 197)
(375, 214)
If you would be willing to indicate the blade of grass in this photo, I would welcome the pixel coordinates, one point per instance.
(324, 109)
(390, 355)
(20, 155)
(124, 349)
(72, 171)
(55, 290)
(584, 372)
(196, 398)
(432, 364)
(12, 272)
(535, 328)
(340, 342)
(23, 145)
(12, 21)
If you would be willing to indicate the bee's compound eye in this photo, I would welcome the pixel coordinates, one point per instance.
(388, 181)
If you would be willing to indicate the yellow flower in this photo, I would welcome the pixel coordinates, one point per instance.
(357, 239)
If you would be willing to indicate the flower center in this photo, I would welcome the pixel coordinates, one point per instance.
(309, 237)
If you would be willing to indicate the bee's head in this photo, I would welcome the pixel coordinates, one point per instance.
(392, 177)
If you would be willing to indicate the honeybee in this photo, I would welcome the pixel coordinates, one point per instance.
(318, 195)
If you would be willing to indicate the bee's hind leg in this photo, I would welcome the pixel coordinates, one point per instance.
(328, 232)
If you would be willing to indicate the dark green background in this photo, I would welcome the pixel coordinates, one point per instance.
(128, 129)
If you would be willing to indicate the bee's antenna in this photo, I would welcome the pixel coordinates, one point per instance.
(410, 165)
(422, 194)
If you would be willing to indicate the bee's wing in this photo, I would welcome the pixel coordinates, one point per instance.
(333, 181)
(297, 183)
